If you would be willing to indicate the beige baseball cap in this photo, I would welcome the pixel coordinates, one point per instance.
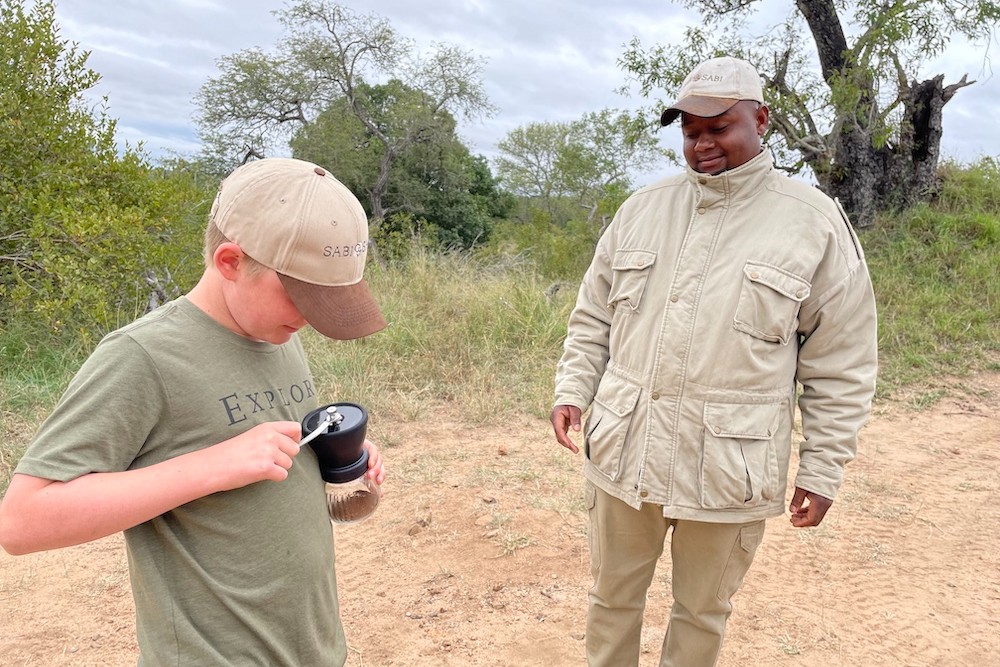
(713, 87)
(294, 217)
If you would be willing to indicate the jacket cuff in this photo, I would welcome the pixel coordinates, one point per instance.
(823, 481)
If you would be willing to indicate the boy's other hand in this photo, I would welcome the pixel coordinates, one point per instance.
(264, 452)
(376, 468)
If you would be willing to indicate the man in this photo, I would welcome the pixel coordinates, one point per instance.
(709, 296)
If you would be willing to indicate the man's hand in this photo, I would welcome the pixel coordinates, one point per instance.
(808, 508)
(563, 418)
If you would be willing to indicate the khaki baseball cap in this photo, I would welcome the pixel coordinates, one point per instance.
(294, 217)
(713, 87)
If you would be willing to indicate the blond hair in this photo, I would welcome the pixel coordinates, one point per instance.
(214, 238)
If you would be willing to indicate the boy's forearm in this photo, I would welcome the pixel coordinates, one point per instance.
(39, 514)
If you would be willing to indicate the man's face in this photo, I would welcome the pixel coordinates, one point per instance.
(717, 144)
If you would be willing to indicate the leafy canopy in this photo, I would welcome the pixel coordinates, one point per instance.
(563, 166)
(86, 234)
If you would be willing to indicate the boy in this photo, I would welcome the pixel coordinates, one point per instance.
(182, 430)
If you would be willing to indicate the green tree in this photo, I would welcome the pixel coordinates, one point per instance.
(850, 106)
(88, 237)
(465, 200)
(529, 159)
(328, 59)
(563, 166)
(437, 184)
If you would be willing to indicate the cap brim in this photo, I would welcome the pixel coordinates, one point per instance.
(697, 105)
(342, 313)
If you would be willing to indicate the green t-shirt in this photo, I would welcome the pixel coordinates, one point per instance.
(241, 577)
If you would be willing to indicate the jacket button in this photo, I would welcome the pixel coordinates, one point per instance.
(644, 493)
(674, 298)
(655, 396)
(799, 294)
(701, 211)
(755, 275)
(717, 430)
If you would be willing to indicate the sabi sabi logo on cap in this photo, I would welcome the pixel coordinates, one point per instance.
(713, 87)
(296, 218)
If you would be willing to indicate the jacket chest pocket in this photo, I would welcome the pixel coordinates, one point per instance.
(769, 302)
(629, 275)
(739, 459)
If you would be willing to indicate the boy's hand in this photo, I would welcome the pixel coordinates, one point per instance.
(263, 452)
(34, 510)
(376, 469)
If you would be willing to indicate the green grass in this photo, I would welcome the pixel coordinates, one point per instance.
(479, 338)
(34, 371)
(936, 273)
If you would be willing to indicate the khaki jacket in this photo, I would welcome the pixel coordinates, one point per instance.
(707, 299)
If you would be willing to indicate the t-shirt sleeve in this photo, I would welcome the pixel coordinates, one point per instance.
(103, 419)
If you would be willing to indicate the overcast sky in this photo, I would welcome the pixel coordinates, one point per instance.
(546, 60)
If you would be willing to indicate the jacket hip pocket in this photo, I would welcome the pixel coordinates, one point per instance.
(769, 302)
(608, 424)
(739, 458)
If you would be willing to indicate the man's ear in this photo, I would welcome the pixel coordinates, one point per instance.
(763, 118)
(227, 260)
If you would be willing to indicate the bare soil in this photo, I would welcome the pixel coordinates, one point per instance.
(477, 556)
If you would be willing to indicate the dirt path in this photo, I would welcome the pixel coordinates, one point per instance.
(477, 557)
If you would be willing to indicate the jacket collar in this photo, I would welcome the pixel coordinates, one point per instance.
(740, 182)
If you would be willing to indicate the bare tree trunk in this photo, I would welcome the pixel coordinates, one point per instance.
(854, 178)
(378, 207)
(866, 178)
(831, 42)
(381, 184)
(162, 289)
(852, 175)
(912, 173)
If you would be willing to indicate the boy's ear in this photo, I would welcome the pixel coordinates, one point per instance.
(227, 259)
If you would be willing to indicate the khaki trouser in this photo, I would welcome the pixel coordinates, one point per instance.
(709, 561)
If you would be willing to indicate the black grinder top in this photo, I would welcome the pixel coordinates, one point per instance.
(340, 446)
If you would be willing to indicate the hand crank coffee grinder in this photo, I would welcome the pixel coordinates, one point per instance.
(336, 432)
